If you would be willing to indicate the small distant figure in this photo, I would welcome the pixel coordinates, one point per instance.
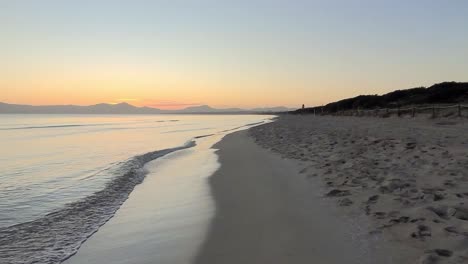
(303, 106)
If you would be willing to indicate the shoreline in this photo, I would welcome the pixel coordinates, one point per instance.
(268, 212)
(164, 219)
(299, 190)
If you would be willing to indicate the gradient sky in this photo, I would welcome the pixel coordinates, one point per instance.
(172, 54)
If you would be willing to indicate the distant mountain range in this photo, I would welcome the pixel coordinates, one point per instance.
(441, 93)
(125, 108)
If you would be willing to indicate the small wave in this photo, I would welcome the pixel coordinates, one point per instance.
(67, 125)
(163, 121)
(36, 127)
(256, 123)
(202, 136)
(186, 130)
(58, 235)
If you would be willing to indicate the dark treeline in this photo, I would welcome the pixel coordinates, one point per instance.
(441, 93)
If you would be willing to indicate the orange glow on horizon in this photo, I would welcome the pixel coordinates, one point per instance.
(143, 87)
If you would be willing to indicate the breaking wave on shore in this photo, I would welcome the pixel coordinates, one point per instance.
(58, 235)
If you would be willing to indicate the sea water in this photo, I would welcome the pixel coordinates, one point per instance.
(64, 176)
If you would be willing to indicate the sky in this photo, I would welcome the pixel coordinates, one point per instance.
(174, 54)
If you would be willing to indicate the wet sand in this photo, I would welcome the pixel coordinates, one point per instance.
(267, 212)
(165, 218)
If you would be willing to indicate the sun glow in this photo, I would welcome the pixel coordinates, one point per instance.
(164, 55)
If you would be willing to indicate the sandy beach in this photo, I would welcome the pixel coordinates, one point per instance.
(407, 177)
(305, 189)
(268, 212)
(234, 132)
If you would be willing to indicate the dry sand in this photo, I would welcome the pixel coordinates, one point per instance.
(267, 212)
(408, 177)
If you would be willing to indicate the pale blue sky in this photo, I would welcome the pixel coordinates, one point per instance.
(228, 53)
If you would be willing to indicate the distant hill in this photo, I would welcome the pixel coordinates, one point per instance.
(441, 93)
(123, 108)
(208, 109)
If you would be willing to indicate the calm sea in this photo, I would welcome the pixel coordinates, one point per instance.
(63, 176)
